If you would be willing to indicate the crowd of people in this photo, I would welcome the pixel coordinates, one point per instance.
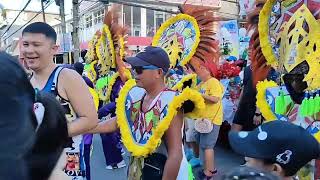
(49, 118)
(162, 106)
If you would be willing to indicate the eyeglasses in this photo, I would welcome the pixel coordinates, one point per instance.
(139, 69)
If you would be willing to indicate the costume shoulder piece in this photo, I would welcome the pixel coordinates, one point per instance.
(188, 38)
(142, 131)
(288, 32)
(179, 82)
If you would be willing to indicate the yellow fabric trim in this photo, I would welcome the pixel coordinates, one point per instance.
(91, 49)
(110, 85)
(95, 97)
(264, 34)
(111, 45)
(173, 20)
(317, 136)
(106, 36)
(179, 85)
(91, 73)
(157, 133)
(262, 103)
(113, 80)
(122, 47)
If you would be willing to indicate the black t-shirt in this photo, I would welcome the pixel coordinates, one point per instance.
(249, 92)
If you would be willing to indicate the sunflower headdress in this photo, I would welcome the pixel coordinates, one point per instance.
(188, 36)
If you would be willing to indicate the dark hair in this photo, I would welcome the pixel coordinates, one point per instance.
(83, 54)
(78, 66)
(51, 138)
(16, 118)
(42, 28)
(248, 173)
(30, 151)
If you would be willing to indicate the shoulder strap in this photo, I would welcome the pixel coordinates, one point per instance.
(55, 79)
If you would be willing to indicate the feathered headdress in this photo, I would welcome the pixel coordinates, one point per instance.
(91, 54)
(189, 37)
(112, 44)
(260, 69)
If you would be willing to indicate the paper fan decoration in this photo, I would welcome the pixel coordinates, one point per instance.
(179, 36)
(289, 33)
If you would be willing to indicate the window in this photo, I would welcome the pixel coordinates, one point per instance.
(168, 16)
(150, 23)
(159, 16)
(127, 17)
(136, 21)
(98, 16)
(88, 21)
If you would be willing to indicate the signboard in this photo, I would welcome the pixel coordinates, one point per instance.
(245, 7)
(229, 38)
(65, 42)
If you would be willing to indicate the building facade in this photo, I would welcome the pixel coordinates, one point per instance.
(9, 40)
(142, 23)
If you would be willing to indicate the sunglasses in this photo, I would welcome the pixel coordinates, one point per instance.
(139, 69)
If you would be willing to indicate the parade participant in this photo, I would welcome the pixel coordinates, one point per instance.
(111, 77)
(112, 147)
(283, 154)
(287, 31)
(212, 91)
(38, 48)
(151, 105)
(188, 38)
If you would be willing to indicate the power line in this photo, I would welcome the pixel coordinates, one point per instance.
(49, 3)
(16, 18)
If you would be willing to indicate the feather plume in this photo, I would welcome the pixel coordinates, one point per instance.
(207, 50)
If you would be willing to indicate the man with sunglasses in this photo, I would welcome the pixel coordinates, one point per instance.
(149, 68)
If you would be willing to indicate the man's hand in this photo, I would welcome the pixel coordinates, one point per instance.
(107, 126)
(257, 119)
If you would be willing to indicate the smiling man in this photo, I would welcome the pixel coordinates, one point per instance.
(168, 162)
(38, 48)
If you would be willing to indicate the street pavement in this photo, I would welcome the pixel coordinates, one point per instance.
(225, 160)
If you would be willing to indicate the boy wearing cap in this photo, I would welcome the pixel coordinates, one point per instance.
(283, 154)
(149, 69)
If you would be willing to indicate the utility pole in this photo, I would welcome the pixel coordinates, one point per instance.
(64, 31)
(42, 8)
(75, 25)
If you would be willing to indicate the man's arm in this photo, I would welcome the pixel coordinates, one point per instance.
(173, 140)
(107, 126)
(81, 101)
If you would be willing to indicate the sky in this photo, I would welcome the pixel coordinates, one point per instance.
(35, 5)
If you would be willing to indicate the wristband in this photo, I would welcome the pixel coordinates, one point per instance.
(257, 114)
